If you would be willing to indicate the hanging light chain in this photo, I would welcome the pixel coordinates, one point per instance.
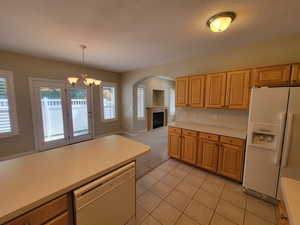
(87, 81)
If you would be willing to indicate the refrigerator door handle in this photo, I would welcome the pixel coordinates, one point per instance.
(287, 141)
(279, 143)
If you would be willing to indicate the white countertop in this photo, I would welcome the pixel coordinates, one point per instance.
(224, 131)
(32, 180)
(290, 191)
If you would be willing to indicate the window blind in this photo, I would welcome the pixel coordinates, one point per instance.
(140, 103)
(5, 120)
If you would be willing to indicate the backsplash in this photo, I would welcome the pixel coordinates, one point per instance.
(237, 119)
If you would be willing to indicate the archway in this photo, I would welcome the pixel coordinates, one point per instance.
(149, 91)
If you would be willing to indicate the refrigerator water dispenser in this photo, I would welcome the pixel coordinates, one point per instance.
(263, 136)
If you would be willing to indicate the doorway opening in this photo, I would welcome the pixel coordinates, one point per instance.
(61, 113)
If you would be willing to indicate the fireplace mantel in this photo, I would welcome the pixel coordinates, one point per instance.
(150, 110)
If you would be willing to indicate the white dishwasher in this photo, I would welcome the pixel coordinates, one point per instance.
(109, 200)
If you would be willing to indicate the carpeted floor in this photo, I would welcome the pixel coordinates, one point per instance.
(158, 141)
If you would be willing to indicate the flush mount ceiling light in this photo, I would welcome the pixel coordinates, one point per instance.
(220, 21)
(83, 78)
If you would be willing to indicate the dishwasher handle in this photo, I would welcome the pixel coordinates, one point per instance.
(90, 186)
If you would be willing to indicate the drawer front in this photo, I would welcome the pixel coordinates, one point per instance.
(189, 132)
(175, 130)
(43, 213)
(232, 141)
(212, 137)
(63, 219)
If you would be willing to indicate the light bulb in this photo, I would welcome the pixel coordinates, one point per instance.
(89, 81)
(98, 82)
(73, 80)
(220, 24)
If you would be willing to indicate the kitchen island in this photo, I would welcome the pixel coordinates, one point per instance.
(290, 193)
(31, 181)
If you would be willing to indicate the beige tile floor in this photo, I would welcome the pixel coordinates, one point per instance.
(175, 193)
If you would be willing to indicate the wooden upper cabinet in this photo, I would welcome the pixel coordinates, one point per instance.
(295, 80)
(189, 148)
(231, 161)
(215, 90)
(196, 90)
(272, 76)
(207, 154)
(174, 142)
(237, 89)
(182, 86)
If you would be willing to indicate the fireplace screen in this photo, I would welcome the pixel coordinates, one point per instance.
(158, 119)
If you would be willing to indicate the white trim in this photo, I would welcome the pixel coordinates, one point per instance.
(12, 104)
(37, 118)
(109, 133)
(115, 86)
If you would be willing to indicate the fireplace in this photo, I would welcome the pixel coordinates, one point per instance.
(157, 116)
(158, 119)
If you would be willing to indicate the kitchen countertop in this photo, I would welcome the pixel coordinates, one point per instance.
(212, 129)
(32, 180)
(290, 191)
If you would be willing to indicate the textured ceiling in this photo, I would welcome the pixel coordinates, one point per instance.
(124, 35)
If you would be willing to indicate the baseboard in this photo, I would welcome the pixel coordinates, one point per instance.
(109, 133)
(17, 155)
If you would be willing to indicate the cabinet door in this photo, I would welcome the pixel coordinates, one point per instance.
(196, 90)
(237, 89)
(272, 76)
(182, 84)
(296, 74)
(189, 148)
(215, 90)
(208, 153)
(57, 210)
(174, 143)
(231, 161)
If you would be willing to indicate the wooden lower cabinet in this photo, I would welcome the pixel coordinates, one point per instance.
(207, 155)
(174, 144)
(63, 219)
(231, 161)
(219, 154)
(189, 149)
(56, 212)
(281, 214)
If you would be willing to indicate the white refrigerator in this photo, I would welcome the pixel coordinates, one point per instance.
(273, 140)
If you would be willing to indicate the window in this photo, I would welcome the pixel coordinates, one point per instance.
(140, 103)
(8, 120)
(172, 102)
(109, 97)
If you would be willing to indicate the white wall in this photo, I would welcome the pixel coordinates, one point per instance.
(262, 53)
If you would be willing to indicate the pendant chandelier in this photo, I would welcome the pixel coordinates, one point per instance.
(83, 78)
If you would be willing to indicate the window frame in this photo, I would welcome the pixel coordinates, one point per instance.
(137, 103)
(111, 85)
(12, 104)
